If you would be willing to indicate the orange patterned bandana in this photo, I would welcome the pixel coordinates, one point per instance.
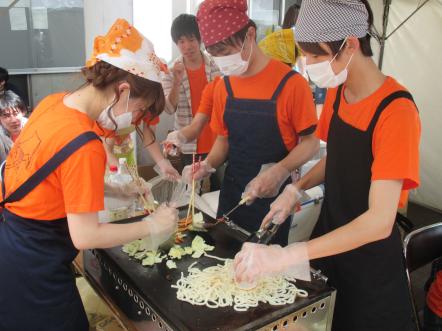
(126, 48)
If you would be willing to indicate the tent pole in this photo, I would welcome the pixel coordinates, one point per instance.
(411, 15)
(387, 4)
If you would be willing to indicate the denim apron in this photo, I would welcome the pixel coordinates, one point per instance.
(37, 284)
(254, 140)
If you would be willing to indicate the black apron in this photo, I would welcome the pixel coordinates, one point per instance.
(254, 139)
(37, 284)
(372, 292)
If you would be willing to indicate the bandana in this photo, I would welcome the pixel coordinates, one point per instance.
(331, 20)
(126, 48)
(280, 45)
(220, 19)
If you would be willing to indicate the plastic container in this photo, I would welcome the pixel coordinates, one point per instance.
(118, 208)
(304, 220)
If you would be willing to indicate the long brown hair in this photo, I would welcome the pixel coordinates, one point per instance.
(102, 75)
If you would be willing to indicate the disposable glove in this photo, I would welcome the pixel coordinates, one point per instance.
(283, 206)
(256, 261)
(173, 143)
(166, 170)
(161, 225)
(176, 138)
(126, 190)
(267, 183)
(203, 170)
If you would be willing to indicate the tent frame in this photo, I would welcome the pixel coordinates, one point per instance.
(384, 37)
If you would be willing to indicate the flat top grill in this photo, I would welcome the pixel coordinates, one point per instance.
(154, 286)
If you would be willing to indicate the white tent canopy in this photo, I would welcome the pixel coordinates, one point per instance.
(413, 55)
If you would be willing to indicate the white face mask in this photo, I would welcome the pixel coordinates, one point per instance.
(123, 121)
(233, 65)
(323, 75)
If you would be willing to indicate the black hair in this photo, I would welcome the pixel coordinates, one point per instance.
(11, 101)
(234, 40)
(185, 25)
(4, 75)
(291, 16)
(335, 46)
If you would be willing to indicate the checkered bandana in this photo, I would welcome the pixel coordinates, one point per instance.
(331, 20)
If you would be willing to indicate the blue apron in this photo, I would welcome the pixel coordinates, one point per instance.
(254, 139)
(372, 291)
(37, 284)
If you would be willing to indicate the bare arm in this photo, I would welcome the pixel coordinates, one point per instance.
(314, 177)
(375, 224)
(218, 153)
(194, 129)
(87, 233)
(304, 151)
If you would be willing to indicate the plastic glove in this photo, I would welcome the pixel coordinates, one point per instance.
(256, 261)
(283, 206)
(176, 138)
(128, 190)
(203, 171)
(161, 225)
(166, 170)
(266, 184)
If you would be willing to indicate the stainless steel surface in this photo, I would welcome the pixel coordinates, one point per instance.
(316, 317)
(149, 317)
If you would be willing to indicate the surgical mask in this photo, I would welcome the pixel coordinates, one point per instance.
(122, 121)
(323, 75)
(233, 65)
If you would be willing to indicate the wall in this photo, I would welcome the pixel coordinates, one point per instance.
(99, 16)
(45, 84)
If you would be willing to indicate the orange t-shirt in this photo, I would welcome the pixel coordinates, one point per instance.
(434, 297)
(206, 103)
(296, 113)
(198, 82)
(77, 185)
(396, 136)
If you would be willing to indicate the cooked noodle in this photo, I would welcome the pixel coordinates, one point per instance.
(215, 287)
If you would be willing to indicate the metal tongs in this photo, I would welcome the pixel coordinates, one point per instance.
(265, 234)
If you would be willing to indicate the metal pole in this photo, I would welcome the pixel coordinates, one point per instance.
(387, 4)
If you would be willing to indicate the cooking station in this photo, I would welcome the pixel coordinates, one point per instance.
(143, 299)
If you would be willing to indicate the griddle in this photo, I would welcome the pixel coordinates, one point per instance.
(145, 292)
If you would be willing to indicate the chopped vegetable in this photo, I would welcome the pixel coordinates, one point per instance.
(132, 248)
(136, 250)
(170, 264)
(176, 252)
(140, 255)
(198, 244)
(151, 258)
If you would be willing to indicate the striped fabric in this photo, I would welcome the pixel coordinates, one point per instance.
(331, 20)
(183, 111)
